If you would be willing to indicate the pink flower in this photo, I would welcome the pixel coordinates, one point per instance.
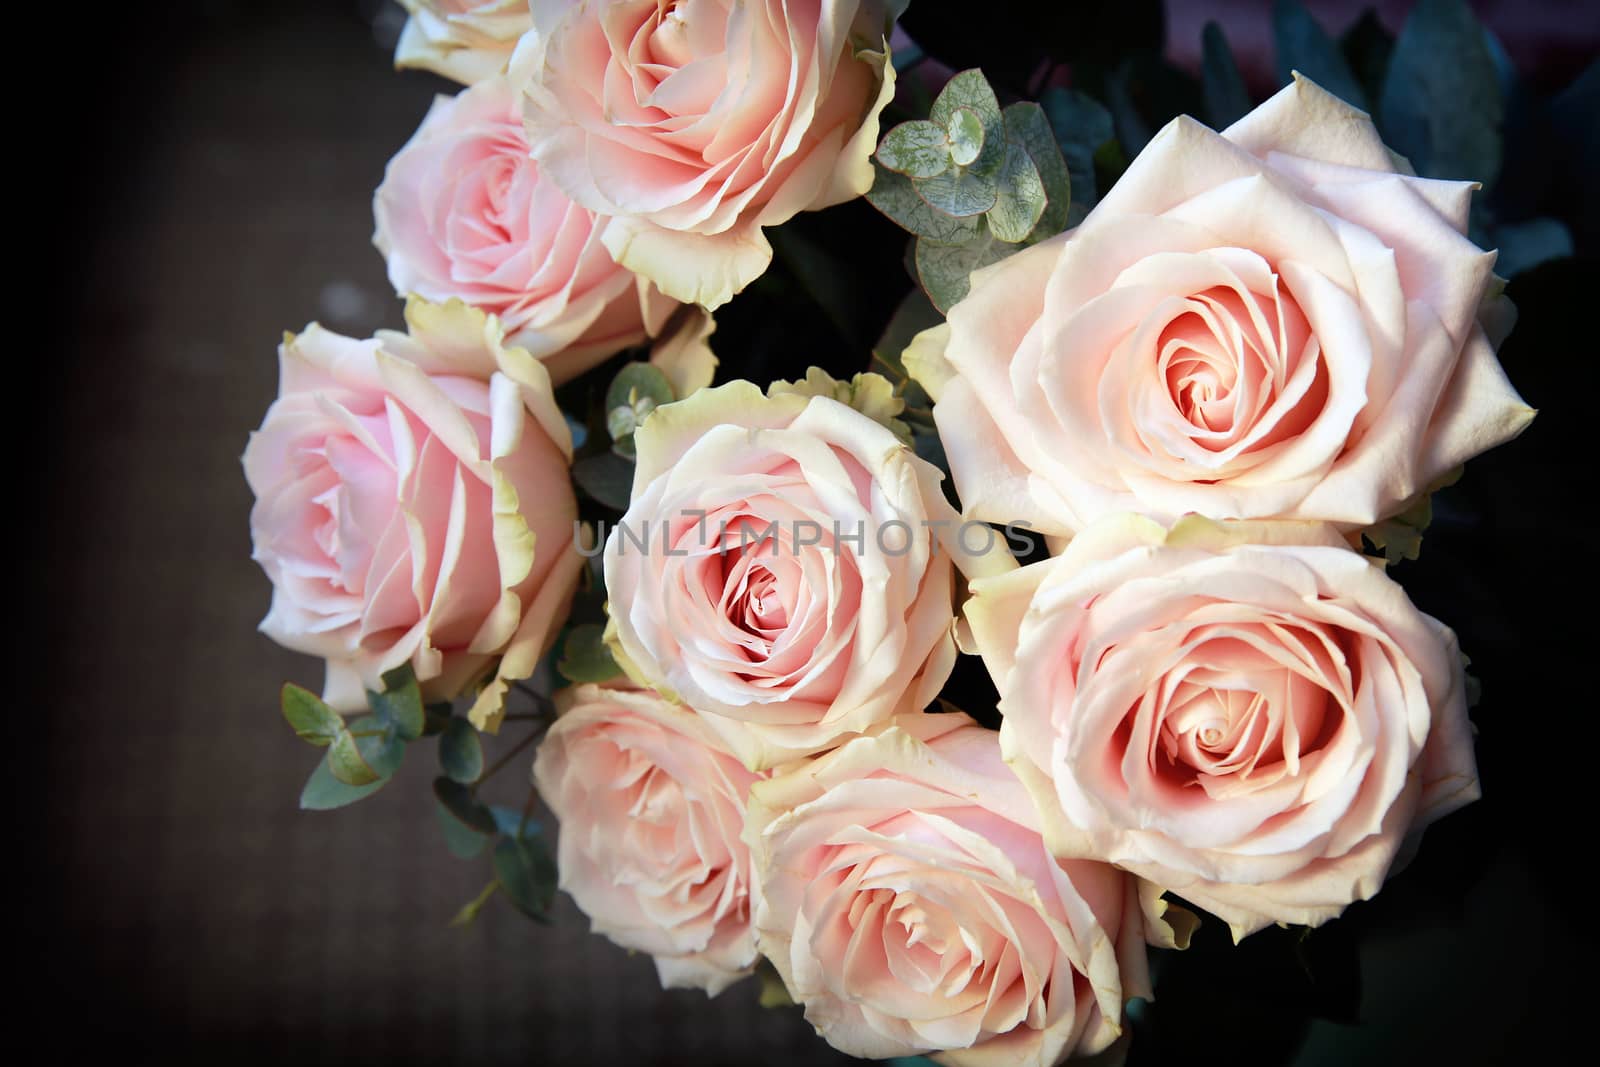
(464, 213)
(464, 40)
(779, 570)
(1250, 715)
(413, 506)
(1271, 322)
(696, 123)
(651, 808)
(911, 906)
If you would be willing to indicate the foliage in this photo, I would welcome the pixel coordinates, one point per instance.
(973, 182)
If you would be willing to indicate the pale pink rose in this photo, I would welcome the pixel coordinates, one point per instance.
(464, 213)
(695, 123)
(413, 506)
(652, 810)
(777, 570)
(910, 905)
(1250, 715)
(465, 40)
(1273, 322)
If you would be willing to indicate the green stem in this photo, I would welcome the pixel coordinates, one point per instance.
(500, 763)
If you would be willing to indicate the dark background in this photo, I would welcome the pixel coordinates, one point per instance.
(210, 188)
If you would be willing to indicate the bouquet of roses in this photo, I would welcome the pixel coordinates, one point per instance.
(1141, 437)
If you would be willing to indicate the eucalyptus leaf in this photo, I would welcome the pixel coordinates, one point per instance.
(527, 874)
(621, 422)
(1019, 198)
(917, 149)
(965, 134)
(347, 764)
(1367, 46)
(324, 792)
(1133, 132)
(461, 752)
(313, 721)
(944, 270)
(607, 477)
(959, 192)
(1441, 106)
(1525, 245)
(896, 196)
(463, 841)
(509, 821)
(436, 718)
(822, 275)
(911, 316)
(637, 381)
(585, 657)
(380, 750)
(399, 706)
(1081, 125)
(1304, 46)
(457, 800)
(928, 445)
(1226, 100)
(968, 89)
(1028, 126)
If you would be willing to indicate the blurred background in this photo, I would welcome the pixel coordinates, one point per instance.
(214, 191)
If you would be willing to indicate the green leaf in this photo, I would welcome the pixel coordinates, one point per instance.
(621, 422)
(636, 391)
(585, 657)
(606, 477)
(313, 721)
(1304, 46)
(1226, 100)
(822, 274)
(911, 316)
(1020, 198)
(917, 149)
(457, 800)
(463, 841)
(1133, 132)
(1441, 106)
(399, 706)
(637, 381)
(510, 822)
(380, 750)
(960, 193)
(1027, 125)
(347, 763)
(436, 718)
(1525, 245)
(324, 792)
(528, 875)
(930, 447)
(1367, 46)
(461, 752)
(895, 196)
(968, 89)
(944, 270)
(965, 134)
(1081, 126)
